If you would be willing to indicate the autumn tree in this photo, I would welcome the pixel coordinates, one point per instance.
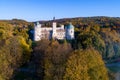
(51, 57)
(14, 51)
(85, 65)
(90, 37)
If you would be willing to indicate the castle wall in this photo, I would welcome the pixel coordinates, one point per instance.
(54, 32)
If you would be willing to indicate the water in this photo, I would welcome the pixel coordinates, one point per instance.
(114, 68)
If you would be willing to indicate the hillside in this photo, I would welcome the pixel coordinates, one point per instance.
(17, 22)
(97, 41)
(101, 21)
(105, 30)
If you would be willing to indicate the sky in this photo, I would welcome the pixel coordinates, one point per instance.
(34, 10)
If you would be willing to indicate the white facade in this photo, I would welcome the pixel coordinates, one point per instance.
(54, 32)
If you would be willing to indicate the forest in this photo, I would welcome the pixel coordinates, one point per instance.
(96, 43)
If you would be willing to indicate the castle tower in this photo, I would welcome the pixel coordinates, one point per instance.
(54, 30)
(70, 32)
(37, 31)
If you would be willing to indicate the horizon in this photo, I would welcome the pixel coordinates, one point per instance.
(36, 10)
(60, 18)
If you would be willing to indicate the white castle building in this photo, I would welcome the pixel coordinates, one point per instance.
(53, 32)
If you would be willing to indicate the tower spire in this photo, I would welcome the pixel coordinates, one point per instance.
(53, 18)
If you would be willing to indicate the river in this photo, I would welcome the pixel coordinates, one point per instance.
(115, 68)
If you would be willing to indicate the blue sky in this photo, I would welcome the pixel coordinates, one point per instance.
(33, 10)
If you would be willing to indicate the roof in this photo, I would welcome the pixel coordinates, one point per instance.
(70, 26)
(60, 30)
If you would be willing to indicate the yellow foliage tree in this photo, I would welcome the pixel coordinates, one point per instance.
(85, 65)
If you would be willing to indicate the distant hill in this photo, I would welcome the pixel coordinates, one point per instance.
(102, 21)
(17, 22)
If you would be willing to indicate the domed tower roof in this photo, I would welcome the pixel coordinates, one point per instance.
(37, 23)
(69, 26)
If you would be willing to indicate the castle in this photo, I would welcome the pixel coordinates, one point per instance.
(53, 32)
